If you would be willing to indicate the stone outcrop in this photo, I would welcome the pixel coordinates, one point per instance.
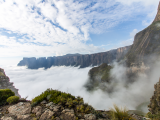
(5, 82)
(75, 59)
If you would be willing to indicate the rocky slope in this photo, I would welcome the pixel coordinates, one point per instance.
(75, 59)
(5, 83)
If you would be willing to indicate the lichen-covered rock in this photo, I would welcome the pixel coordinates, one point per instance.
(47, 115)
(90, 117)
(5, 83)
(21, 108)
(68, 114)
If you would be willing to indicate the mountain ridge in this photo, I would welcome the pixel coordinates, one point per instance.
(75, 59)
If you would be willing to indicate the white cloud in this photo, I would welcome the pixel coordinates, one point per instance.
(144, 2)
(72, 23)
(133, 33)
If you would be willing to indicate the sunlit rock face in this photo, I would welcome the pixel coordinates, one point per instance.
(146, 43)
(75, 59)
(5, 82)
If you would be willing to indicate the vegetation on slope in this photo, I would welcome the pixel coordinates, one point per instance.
(97, 75)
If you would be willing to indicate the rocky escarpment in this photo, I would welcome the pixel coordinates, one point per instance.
(75, 59)
(154, 106)
(5, 82)
(146, 43)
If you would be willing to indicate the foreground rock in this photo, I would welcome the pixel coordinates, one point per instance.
(5, 83)
(48, 111)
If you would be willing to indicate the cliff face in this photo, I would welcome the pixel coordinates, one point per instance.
(5, 83)
(75, 60)
(146, 42)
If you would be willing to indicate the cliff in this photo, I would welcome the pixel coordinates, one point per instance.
(75, 59)
(146, 43)
(5, 83)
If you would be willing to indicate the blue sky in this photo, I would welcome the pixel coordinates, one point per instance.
(35, 28)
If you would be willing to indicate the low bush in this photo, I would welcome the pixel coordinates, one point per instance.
(57, 97)
(4, 94)
(13, 99)
(120, 114)
(153, 116)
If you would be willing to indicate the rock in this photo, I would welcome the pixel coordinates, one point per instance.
(68, 114)
(55, 108)
(23, 117)
(43, 102)
(49, 104)
(20, 109)
(57, 118)
(5, 83)
(47, 115)
(90, 117)
(37, 110)
(6, 118)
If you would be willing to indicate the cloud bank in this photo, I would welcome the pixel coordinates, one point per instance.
(72, 80)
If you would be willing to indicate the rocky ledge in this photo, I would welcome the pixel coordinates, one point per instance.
(49, 111)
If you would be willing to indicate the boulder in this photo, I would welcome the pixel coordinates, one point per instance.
(21, 108)
(37, 110)
(68, 114)
(47, 115)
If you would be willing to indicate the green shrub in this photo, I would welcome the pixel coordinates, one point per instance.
(57, 97)
(4, 94)
(153, 116)
(120, 114)
(85, 108)
(13, 99)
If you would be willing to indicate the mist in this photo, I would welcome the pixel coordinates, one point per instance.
(72, 80)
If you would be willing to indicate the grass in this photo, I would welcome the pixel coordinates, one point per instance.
(120, 113)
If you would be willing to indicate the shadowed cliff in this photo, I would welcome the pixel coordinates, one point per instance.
(75, 59)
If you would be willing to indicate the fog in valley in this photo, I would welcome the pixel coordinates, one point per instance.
(72, 80)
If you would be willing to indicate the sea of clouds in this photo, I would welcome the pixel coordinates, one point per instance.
(72, 80)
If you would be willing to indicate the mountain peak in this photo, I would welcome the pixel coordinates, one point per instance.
(157, 18)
